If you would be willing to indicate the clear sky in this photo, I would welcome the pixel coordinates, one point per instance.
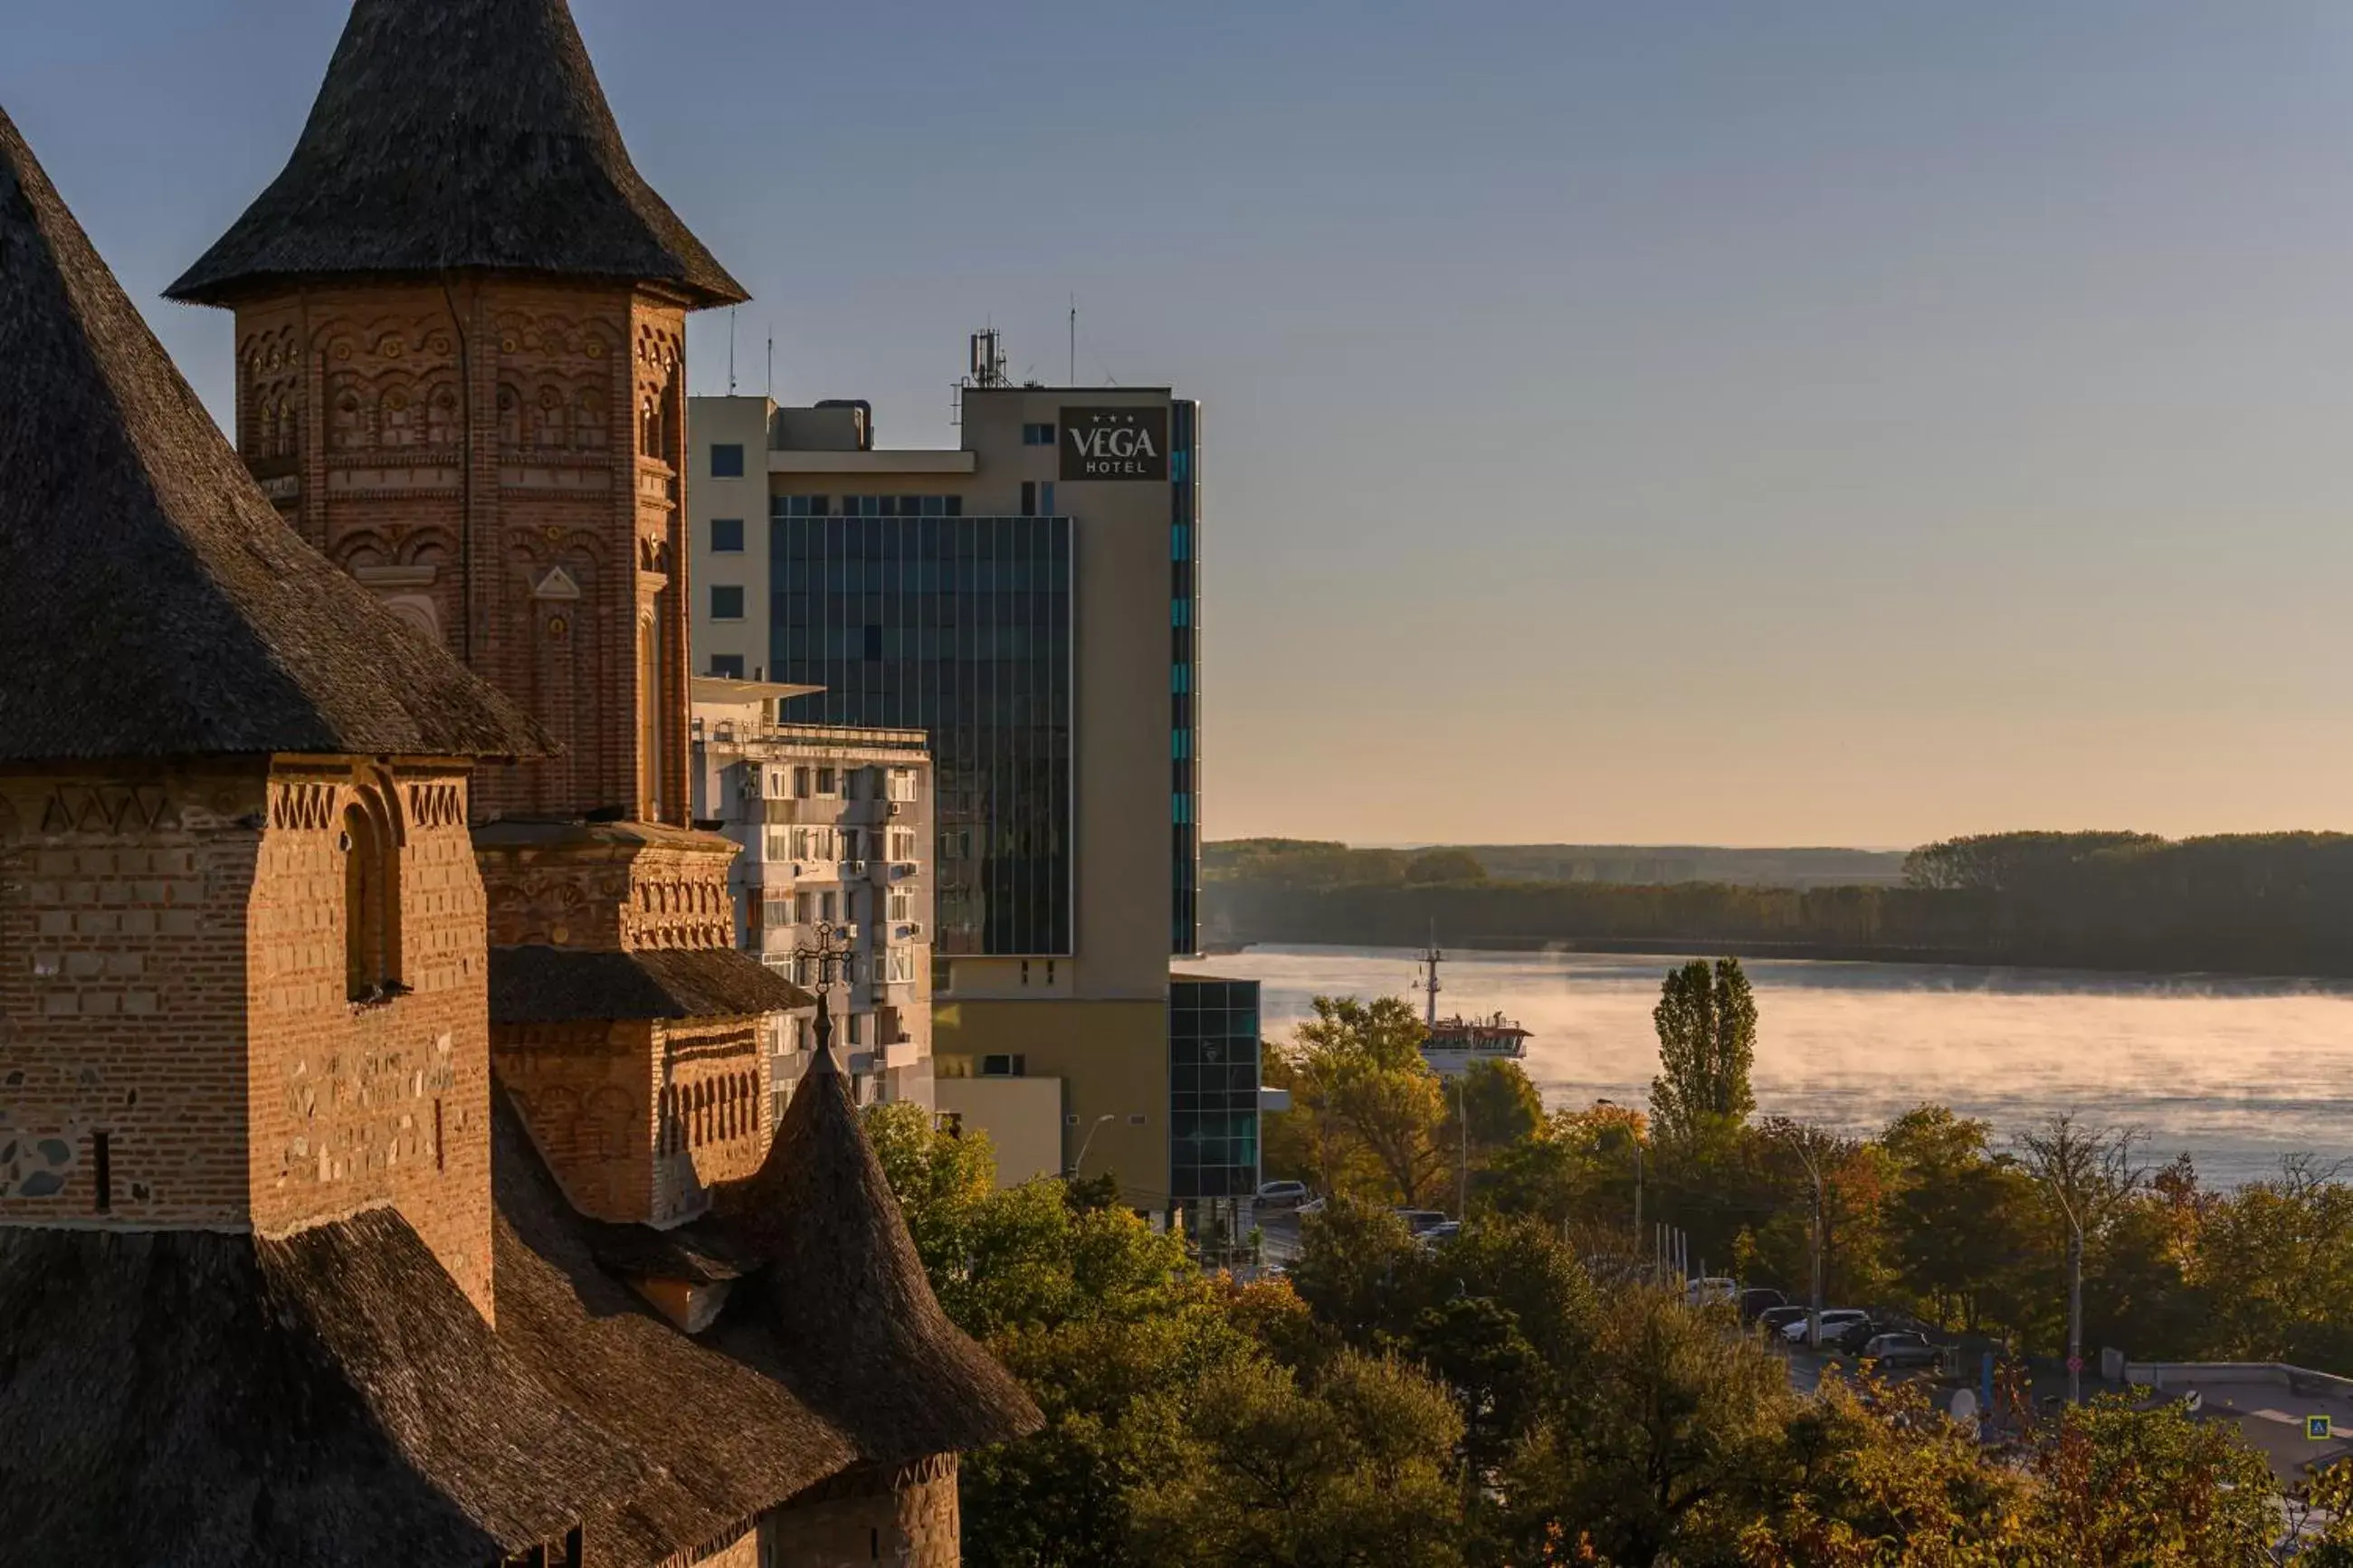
(1845, 421)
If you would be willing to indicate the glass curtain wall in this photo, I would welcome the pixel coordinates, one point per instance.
(1213, 1078)
(959, 627)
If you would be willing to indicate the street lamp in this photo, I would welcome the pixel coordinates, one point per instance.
(1088, 1143)
(1636, 1139)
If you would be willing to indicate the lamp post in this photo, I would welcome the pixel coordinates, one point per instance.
(1637, 1139)
(1088, 1143)
(1462, 1123)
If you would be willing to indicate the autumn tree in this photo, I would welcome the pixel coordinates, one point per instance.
(1706, 1022)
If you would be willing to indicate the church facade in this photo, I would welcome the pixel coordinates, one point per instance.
(385, 1163)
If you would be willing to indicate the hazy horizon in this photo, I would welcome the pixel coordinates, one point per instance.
(1753, 426)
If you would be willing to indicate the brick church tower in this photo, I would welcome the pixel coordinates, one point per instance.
(460, 331)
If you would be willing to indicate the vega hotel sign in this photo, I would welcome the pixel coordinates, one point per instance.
(1115, 443)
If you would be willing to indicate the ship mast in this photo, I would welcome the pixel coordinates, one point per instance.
(1428, 987)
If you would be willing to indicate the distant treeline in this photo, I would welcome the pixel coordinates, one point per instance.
(2275, 903)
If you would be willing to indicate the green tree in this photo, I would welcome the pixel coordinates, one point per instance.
(1674, 1436)
(1445, 866)
(1354, 1470)
(1500, 1106)
(1371, 1096)
(1706, 1023)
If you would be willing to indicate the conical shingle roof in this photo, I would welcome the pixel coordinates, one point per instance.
(457, 134)
(846, 1301)
(157, 604)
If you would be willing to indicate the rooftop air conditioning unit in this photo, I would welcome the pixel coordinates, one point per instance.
(853, 867)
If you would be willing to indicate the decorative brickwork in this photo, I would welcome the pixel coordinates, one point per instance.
(907, 1520)
(182, 1003)
(501, 461)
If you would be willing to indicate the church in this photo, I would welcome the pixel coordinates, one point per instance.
(386, 1163)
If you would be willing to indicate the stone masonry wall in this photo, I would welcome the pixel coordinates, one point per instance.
(501, 463)
(122, 993)
(361, 1103)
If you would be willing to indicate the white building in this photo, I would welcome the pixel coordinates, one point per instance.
(836, 826)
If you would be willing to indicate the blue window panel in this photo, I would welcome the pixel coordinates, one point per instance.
(1181, 612)
(727, 460)
(726, 603)
(1180, 542)
(1181, 678)
(1182, 806)
(726, 535)
(1180, 744)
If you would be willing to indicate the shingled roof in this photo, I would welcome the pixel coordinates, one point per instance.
(842, 1302)
(157, 604)
(454, 134)
(188, 1399)
(540, 984)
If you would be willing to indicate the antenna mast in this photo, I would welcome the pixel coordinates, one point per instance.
(731, 350)
(1430, 987)
(1074, 341)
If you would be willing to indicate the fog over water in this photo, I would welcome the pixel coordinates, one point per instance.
(2236, 1072)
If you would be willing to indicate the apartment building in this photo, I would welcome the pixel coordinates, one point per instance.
(1029, 600)
(836, 827)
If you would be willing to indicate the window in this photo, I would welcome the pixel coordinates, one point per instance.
(727, 535)
(727, 461)
(825, 904)
(1028, 497)
(857, 1028)
(824, 782)
(1038, 435)
(726, 602)
(1046, 498)
(102, 1156)
(1005, 1066)
(727, 666)
(371, 899)
(804, 907)
(902, 906)
(801, 783)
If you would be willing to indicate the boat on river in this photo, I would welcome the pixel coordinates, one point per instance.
(1450, 1045)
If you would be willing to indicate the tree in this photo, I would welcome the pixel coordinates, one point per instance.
(1445, 866)
(1707, 1040)
(2122, 1488)
(1500, 1106)
(2088, 1175)
(1367, 1089)
(1673, 1437)
(1353, 1469)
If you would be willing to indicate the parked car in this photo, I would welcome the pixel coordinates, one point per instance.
(1440, 1234)
(1901, 1347)
(1281, 1195)
(1713, 1290)
(1759, 1300)
(1835, 1321)
(1848, 1338)
(1773, 1320)
(1418, 1220)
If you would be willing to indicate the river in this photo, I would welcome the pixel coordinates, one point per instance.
(2237, 1073)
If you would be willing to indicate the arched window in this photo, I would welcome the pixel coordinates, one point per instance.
(588, 429)
(371, 899)
(548, 422)
(509, 416)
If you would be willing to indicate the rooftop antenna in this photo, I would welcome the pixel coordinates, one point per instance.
(731, 350)
(772, 361)
(988, 358)
(1074, 343)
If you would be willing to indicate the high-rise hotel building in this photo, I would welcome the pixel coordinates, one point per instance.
(1029, 601)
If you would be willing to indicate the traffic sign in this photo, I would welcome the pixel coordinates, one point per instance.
(2316, 1427)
